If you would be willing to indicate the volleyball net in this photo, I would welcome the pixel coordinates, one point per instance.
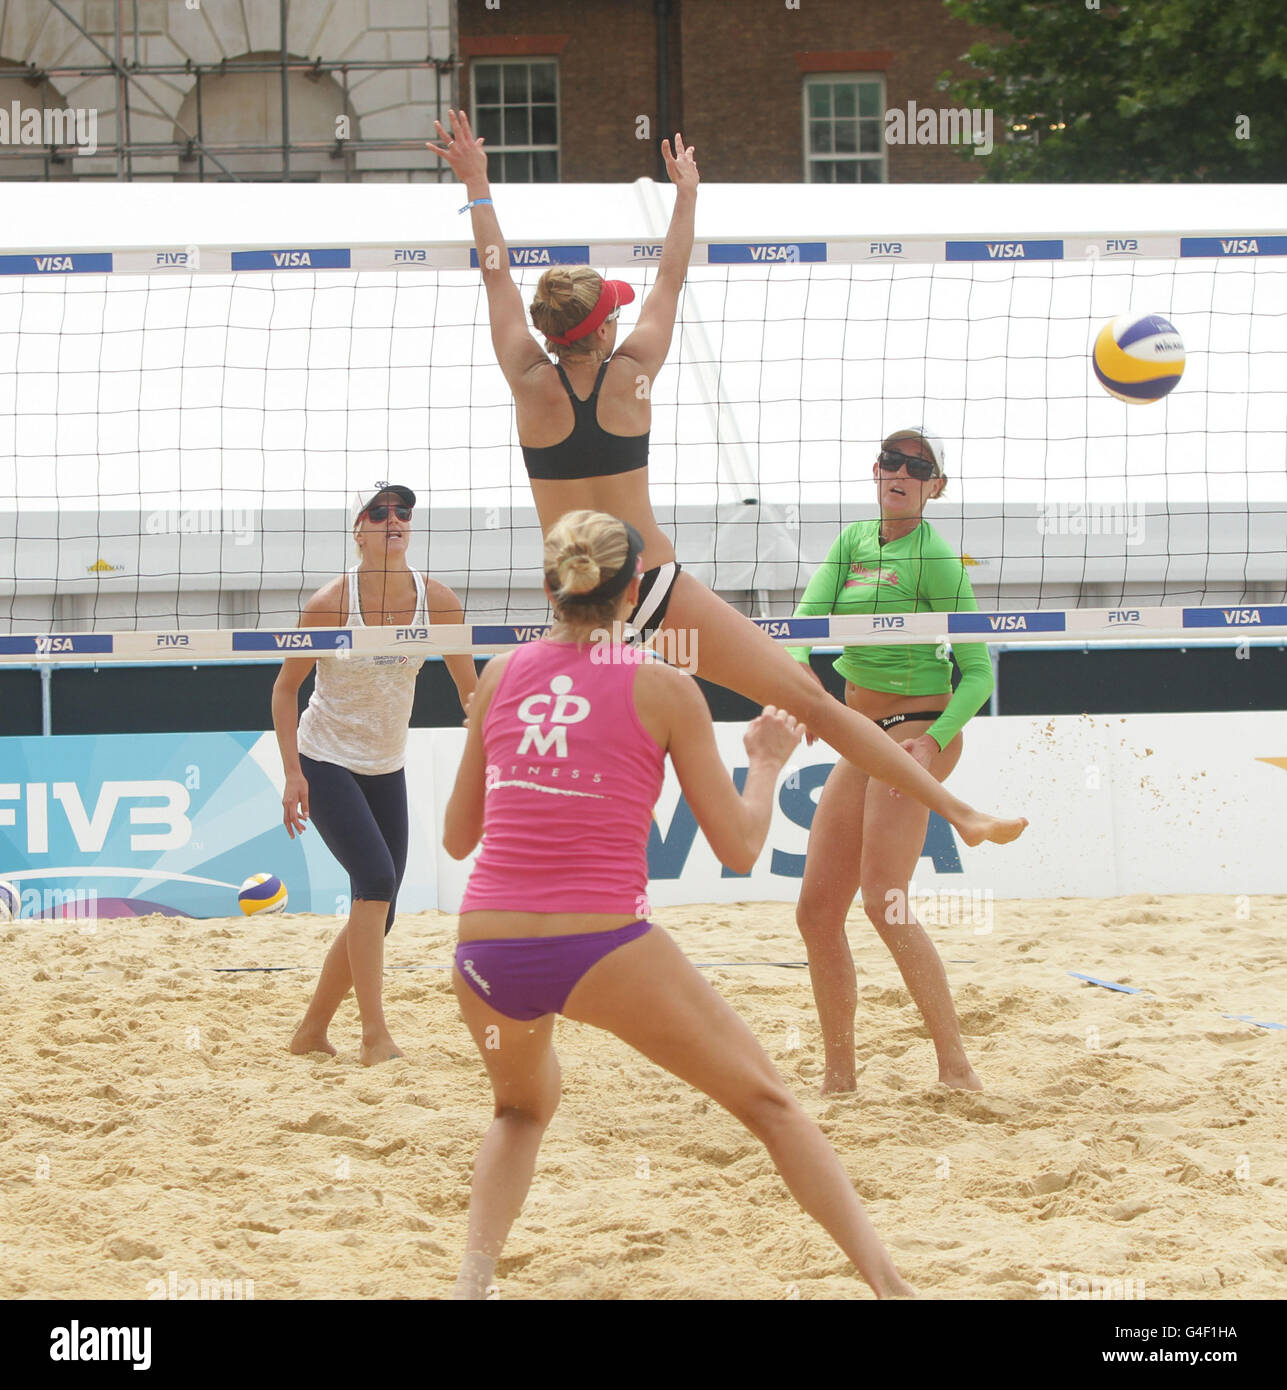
(183, 431)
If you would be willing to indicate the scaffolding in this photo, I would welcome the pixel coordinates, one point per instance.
(200, 159)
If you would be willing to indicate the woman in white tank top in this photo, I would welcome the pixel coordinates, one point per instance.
(344, 764)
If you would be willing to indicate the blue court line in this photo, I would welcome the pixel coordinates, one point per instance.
(1128, 989)
(1106, 984)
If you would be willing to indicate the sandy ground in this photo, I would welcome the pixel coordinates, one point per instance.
(153, 1125)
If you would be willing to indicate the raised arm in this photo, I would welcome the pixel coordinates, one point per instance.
(650, 342)
(735, 824)
(516, 350)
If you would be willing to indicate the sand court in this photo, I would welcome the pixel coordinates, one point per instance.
(156, 1134)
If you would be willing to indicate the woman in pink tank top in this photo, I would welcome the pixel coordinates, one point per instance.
(567, 742)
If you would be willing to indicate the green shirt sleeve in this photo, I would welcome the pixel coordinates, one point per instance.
(953, 593)
(824, 589)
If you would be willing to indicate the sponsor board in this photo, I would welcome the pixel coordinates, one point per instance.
(1177, 803)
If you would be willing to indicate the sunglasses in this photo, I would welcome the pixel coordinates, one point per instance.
(920, 469)
(380, 511)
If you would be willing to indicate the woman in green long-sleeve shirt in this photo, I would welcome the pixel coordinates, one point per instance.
(865, 836)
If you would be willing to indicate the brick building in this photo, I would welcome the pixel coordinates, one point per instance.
(577, 91)
(768, 92)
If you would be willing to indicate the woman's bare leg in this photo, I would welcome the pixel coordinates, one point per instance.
(651, 996)
(334, 983)
(893, 835)
(731, 651)
(366, 964)
(524, 1073)
(361, 940)
(832, 874)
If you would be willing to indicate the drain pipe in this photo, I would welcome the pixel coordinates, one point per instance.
(662, 11)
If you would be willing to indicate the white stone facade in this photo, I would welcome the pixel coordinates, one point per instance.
(395, 105)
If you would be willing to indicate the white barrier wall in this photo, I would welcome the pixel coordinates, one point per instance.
(1177, 803)
(1168, 803)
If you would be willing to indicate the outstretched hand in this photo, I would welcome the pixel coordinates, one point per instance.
(462, 149)
(680, 165)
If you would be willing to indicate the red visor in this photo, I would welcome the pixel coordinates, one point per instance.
(613, 294)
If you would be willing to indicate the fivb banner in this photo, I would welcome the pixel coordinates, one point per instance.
(118, 826)
(1179, 803)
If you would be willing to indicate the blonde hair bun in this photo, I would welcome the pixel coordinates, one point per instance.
(578, 573)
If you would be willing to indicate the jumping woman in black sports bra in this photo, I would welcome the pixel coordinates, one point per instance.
(583, 426)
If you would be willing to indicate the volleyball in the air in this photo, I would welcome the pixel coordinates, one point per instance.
(10, 901)
(262, 893)
(1138, 357)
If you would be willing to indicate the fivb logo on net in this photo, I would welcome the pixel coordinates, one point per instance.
(43, 125)
(937, 126)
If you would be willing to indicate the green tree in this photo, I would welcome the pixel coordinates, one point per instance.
(1151, 91)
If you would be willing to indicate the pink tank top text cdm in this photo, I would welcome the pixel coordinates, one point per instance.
(572, 780)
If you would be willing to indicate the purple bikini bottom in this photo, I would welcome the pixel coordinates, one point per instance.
(526, 977)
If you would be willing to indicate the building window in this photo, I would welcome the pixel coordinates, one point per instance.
(516, 110)
(844, 129)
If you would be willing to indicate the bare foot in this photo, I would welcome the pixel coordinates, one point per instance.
(308, 1040)
(897, 1287)
(378, 1050)
(475, 1278)
(975, 828)
(961, 1079)
(836, 1085)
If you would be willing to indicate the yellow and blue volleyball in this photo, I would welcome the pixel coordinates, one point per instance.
(1138, 357)
(262, 893)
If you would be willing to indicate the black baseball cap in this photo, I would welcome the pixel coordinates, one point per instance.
(397, 489)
